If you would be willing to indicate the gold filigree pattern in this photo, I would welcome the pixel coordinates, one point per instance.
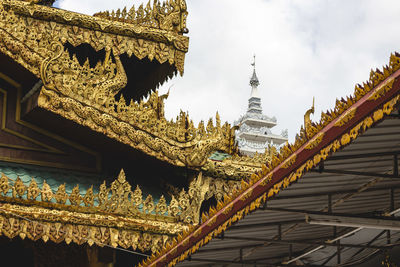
(27, 30)
(118, 199)
(59, 226)
(289, 162)
(314, 142)
(86, 94)
(308, 125)
(382, 89)
(239, 167)
(342, 105)
(170, 16)
(346, 117)
(140, 126)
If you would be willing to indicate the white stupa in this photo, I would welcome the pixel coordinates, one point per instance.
(254, 133)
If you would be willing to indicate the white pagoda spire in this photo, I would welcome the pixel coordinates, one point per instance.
(254, 83)
(254, 133)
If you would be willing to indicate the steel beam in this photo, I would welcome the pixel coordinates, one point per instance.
(254, 261)
(266, 224)
(356, 173)
(333, 240)
(331, 192)
(353, 221)
(290, 242)
(364, 155)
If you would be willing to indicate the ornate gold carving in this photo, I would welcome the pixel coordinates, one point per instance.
(239, 167)
(266, 180)
(289, 162)
(308, 125)
(381, 89)
(170, 16)
(43, 25)
(118, 199)
(86, 95)
(346, 117)
(314, 142)
(41, 2)
(140, 126)
(57, 226)
(342, 105)
(201, 189)
(33, 191)
(60, 196)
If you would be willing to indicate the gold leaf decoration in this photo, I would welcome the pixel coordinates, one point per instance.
(19, 188)
(75, 196)
(161, 207)
(46, 193)
(33, 190)
(4, 184)
(61, 196)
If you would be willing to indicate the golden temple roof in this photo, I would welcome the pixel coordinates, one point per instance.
(98, 95)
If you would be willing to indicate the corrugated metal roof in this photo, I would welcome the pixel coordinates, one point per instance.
(250, 242)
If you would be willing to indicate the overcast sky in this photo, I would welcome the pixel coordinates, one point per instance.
(303, 49)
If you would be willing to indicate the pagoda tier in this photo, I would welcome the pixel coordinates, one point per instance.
(254, 133)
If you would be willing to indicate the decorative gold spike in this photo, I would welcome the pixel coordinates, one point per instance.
(161, 207)
(75, 196)
(307, 121)
(33, 190)
(46, 193)
(173, 208)
(88, 199)
(4, 184)
(61, 196)
(137, 196)
(19, 188)
(103, 194)
(148, 204)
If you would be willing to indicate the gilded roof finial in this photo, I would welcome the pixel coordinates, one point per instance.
(307, 120)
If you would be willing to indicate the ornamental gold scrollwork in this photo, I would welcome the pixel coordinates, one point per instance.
(170, 16)
(41, 2)
(315, 141)
(308, 125)
(38, 228)
(93, 85)
(200, 189)
(376, 82)
(381, 89)
(27, 30)
(119, 199)
(289, 161)
(239, 167)
(346, 117)
(139, 125)
(86, 94)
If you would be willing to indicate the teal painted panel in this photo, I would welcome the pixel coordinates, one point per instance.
(219, 156)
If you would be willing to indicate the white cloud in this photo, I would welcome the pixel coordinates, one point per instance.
(304, 49)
